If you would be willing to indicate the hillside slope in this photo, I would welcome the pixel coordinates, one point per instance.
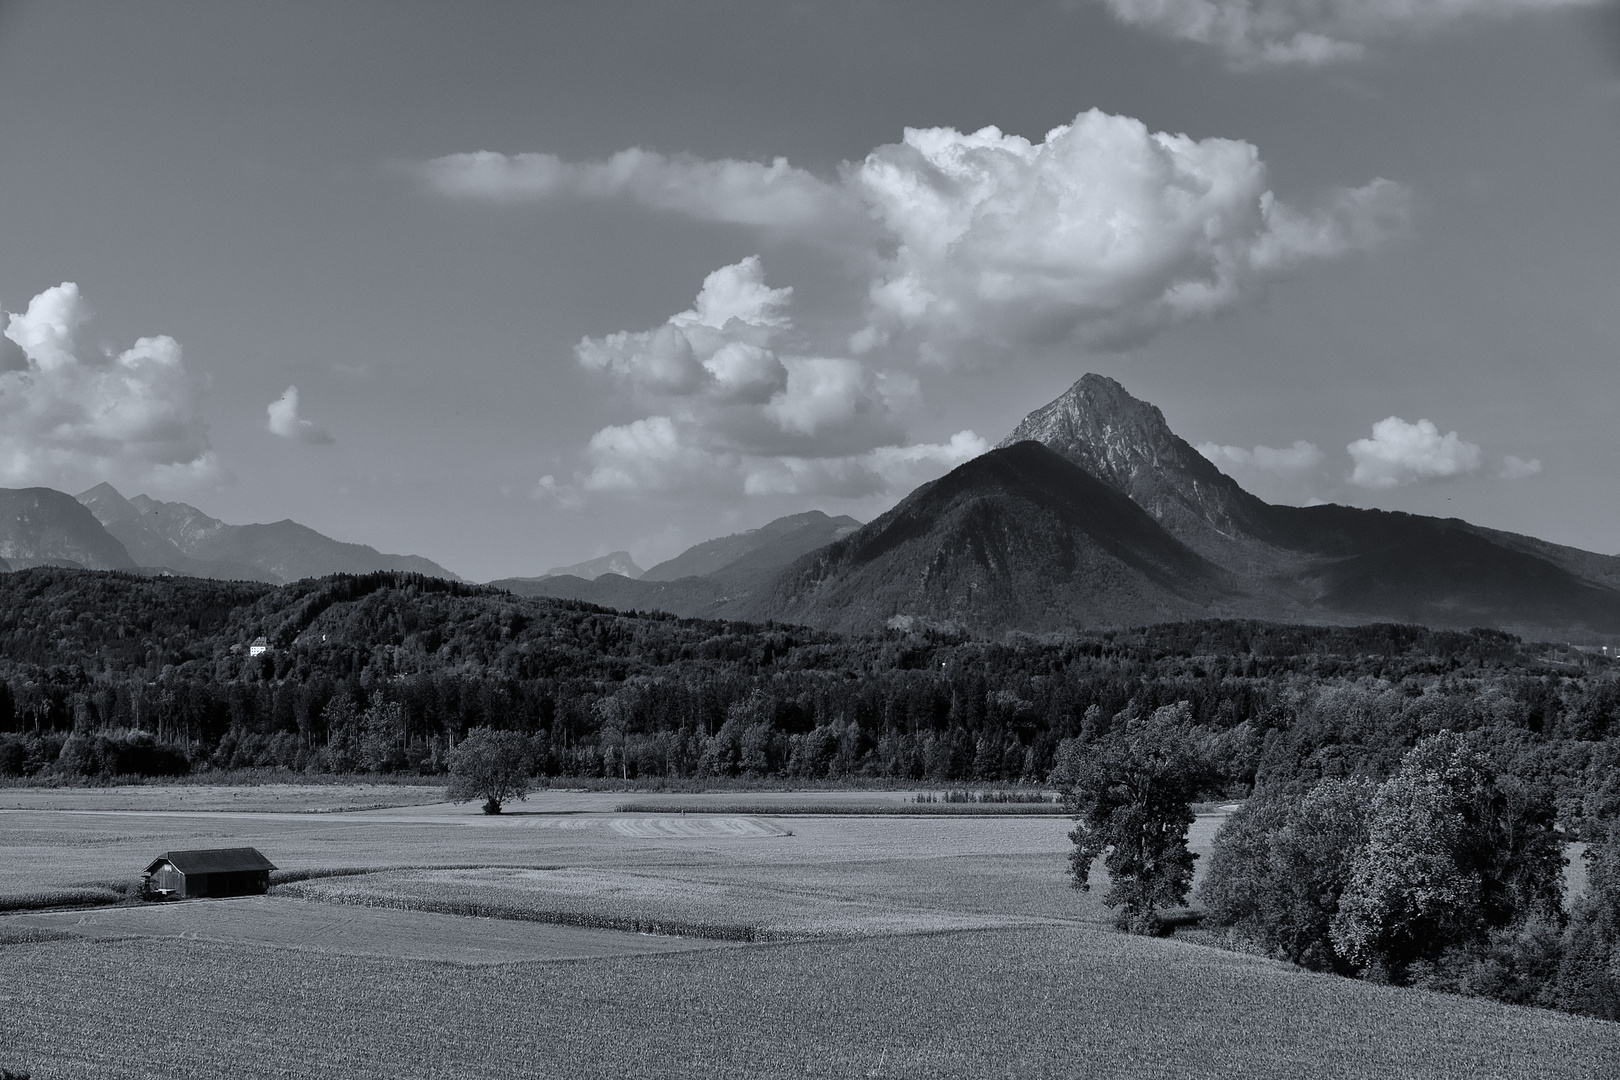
(1019, 538)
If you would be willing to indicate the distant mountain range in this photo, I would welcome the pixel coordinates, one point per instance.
(1093, 513)
(102, 530)
(614, 562)
(718, 578)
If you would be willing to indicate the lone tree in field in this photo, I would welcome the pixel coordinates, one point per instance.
(489, 765)
(1131, 796)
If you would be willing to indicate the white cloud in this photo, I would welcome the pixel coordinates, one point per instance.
(661, 455)
(966, 247)
(721, 346)
(720, 365)
(70, 415)
(1104, 231)
(565, 495)
(1285, 461)
(1254, 33)
(737, 417)
(285, 421)
(1402, 453)
(777, 197)
(1517, 468)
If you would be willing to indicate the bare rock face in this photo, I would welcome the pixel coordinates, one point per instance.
(1125, 443)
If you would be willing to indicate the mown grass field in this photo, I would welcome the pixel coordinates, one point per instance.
(939, 947)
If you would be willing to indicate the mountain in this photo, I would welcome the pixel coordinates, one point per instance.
(719, 578)
(775, 544)
(1327, 563)
(43, 527)
(617, 562)
(180, 538)
(1019, 538)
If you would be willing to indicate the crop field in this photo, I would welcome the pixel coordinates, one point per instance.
(1041, 1002)
(891, 946)
(327, 929)
(276, 798)
(742, 910)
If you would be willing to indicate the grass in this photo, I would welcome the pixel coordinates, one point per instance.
(286, 795)
(62, 897)
(883, 986)
(1028, 1003)
(739, 909)
(321, 930)
(964, 808)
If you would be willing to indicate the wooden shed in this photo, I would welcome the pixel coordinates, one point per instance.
(237, 871)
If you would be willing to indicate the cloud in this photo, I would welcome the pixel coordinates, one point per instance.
(1287, 461)
(285, 421)
(725, 364)
(72, 415)
(777, 197)
(565, 495)
(738, 411)
(664, 456)
(1517, 468)
(1261, 33)
(1402, 453)
(1102, 232)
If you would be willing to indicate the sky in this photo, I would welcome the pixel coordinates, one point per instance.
(512, 285)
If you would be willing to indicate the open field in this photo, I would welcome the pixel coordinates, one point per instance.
(734, 907)
(277, 798)
(325, 929)
(935, 947)
(1046, 1002)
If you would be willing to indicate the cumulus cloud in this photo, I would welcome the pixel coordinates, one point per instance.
(1403, 453)
(1517, 468)
(285, 421)
(1102, 232)
(1257, 33)
(966, 248)
(71, 414)
(739, 410)
(1286, 461)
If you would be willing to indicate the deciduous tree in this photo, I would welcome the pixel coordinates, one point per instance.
(1130, 794)
(489, 765)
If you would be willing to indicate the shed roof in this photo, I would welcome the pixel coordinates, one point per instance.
(231, 860)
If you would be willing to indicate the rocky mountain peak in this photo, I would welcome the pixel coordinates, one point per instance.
(1126, 443)
(105, 502)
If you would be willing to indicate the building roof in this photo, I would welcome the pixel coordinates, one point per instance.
(231, 860)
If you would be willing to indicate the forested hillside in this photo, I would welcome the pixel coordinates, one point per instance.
(387, 671)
